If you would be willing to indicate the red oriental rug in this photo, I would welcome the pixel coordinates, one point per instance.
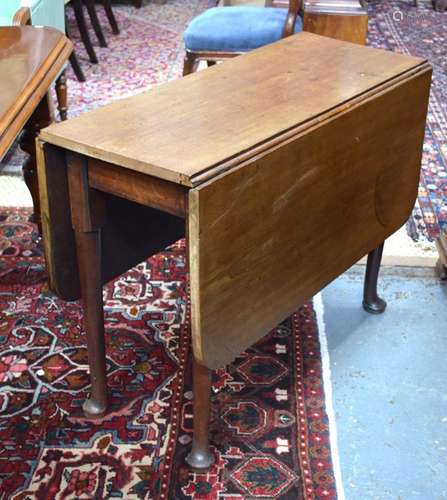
(269, 424)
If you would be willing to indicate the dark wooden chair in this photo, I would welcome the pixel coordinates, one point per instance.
(111, 16)
(74, 61)
(78, 7)
(90, 5)
(223, 32)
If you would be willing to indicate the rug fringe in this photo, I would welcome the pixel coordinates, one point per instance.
(327, 385)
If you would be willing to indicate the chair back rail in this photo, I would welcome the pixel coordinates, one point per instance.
(22, 17)
(292, 14)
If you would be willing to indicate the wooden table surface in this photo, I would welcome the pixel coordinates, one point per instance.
(296, 160)
(30, 59)
(193, 128)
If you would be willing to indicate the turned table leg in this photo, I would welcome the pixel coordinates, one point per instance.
(200, 457)
(41, 117)
(61, 93)
(87, 218)
(372, 303)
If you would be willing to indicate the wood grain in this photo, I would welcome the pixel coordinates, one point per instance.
(134, 186)
(180, 130)
(58, 237)
(350, 28)
(272, 232)
(340, 19)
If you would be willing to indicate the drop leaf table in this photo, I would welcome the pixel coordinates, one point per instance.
(282, 168)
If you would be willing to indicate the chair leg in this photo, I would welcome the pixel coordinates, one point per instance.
(111, 16)
(189, 63)
(80, 19)
(372, 303)
(86, 220)
(77, 67)
(200, 457)
(90, 4)
(440, 5)
(73, 57)
(61, 93)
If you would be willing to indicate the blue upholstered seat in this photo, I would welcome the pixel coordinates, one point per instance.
(236, 29)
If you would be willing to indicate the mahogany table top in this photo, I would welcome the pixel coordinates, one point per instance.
(30, 59)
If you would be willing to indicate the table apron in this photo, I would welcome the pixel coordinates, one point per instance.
(140, 188)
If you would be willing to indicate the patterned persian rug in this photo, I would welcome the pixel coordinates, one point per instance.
(399, 26)
(148, 51)
(269, 425)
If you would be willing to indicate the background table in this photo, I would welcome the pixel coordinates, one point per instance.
(30, 60)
